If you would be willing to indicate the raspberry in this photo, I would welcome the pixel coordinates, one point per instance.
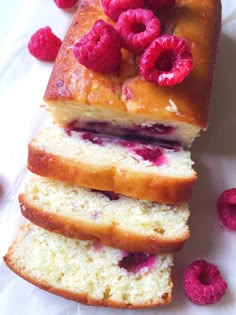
(226, 205)
(109, 194)
(65, 4)
(100, 49)
(113, 8)
(149, 154)
(135, 262)
(167, 61)
(203, 283)
(160, 4)
(44, 45)
(88, 136)
(138, 28)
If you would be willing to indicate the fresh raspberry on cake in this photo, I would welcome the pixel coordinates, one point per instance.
(203, 283)
(100, 49)
(113, 8)
(167, 61)
(44, 45)
(160, 4)
(65, 4)
(226, 205)
(138, 28)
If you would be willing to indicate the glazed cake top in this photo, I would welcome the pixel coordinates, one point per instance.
(199, 22)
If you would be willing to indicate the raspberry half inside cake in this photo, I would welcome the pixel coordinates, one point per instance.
(110, 194)
(152, 130)
(144, 149)
(137, 262)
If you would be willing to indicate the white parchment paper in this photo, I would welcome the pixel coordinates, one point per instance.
(22, 83)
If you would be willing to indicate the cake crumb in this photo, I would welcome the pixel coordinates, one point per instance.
(173, 108)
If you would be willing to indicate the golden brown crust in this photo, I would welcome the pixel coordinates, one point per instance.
(110, 234)
(81, 298)
(133, 184)
(197, 21)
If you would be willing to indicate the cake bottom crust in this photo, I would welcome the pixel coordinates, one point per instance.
(82, 298)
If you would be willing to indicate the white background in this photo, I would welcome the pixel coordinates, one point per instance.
(22, 83)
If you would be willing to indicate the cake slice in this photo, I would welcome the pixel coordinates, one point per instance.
(124, 103)
(115, 220)
(143, 170)
(88, 272)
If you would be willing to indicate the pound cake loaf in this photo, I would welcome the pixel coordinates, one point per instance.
(115, 220)
(124, 103)
(142, 170)
(87, 272)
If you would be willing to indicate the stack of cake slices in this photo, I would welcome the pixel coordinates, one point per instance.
(110, 179)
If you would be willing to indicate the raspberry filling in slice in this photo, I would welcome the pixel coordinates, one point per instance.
(110, 194)
(92, 138)
(97, 246)
(136, 262)
(142, 150)
(153, 155)
(156, 129)
(146, 130)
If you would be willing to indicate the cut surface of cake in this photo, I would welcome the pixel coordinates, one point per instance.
(143, 170)
(115, 220)
(89, 273)
(124, 103)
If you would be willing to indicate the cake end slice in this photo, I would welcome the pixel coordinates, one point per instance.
(89, 273)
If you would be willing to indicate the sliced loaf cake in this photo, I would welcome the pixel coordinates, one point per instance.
(119, 221)
(124, 103)
(142, 170)
(88, 272)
